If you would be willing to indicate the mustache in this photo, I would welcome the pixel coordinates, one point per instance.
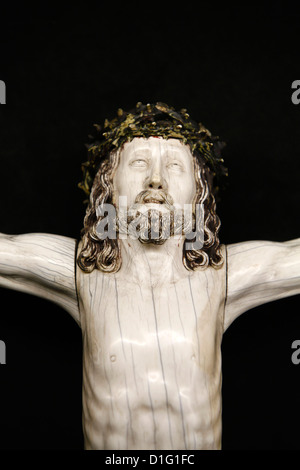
(155, 196)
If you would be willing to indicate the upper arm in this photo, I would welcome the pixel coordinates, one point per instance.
(41, 264)
(259, 272)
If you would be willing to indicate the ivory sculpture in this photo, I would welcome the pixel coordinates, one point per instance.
(154, 290)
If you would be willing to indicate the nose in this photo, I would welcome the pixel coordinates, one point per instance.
(156, 180)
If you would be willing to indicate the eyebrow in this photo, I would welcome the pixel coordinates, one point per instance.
(141, 149)
(175, 150)
(172, 148)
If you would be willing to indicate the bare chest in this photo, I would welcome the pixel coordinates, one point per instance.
(124, 321)
(151, 362)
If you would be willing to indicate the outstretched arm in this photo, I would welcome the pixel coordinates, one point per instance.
(41, 264)
(259, 272)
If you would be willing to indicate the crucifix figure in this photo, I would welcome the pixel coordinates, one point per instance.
(149, 283)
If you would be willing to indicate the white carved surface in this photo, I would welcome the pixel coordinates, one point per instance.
(152, 361)
(40, 264)
(152, 332)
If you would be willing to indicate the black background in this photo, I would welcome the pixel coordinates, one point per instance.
(232, 67)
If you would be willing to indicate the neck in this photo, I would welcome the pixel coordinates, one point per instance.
(153, 264)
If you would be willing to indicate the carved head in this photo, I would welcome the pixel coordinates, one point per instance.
(160, 159)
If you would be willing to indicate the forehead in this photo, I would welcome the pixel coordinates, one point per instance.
(156, 146)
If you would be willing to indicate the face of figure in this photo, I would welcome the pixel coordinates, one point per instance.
(161, 168)
(160, 174)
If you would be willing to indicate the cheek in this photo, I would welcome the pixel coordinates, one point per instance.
(127, 184)
(183, 190)
(192, 190)
(190, 187)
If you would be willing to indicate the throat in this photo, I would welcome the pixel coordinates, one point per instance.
(151, 264)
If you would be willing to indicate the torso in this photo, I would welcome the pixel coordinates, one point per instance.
(152, 361)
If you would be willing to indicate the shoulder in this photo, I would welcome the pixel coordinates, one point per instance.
(48, 251)
(214, 275)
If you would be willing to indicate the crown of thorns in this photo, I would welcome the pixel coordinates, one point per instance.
(149, 120)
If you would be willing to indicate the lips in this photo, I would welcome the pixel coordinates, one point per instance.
(153, 197)
(153, 200)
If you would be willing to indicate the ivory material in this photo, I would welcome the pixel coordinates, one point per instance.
(152, 331)
(152, 358)
(42, 265)
(260, 272)
(157, 163)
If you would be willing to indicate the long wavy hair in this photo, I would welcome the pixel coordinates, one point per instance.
(105, 255)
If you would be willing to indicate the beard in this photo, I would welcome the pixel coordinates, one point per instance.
(152, 219)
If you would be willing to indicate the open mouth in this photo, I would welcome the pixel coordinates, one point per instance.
(154, 197)
(152, 200)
